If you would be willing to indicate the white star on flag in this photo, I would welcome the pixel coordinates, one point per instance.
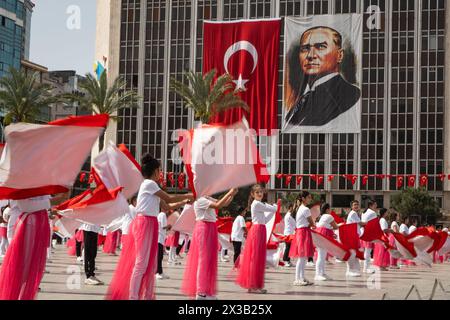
(240, 83)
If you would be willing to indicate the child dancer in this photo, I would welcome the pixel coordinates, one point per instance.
(325, 226)
(163, 226)
(302, 246)
(394, 229)
(368, 246)
(172, 243)
(238, 232)
(200, 275)
(289, 230)
(353, 268)
(135, 272)
(253, 260)
(381, 256)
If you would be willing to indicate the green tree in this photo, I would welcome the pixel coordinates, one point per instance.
(416, 202)
(22, 97)
(206, 97)
(100, 98)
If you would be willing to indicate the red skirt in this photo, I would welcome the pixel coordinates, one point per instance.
(366, 245)
(3, 231)
(302, 246)
(111, 242)
(253, 259)
(173, 239)
(381, 256)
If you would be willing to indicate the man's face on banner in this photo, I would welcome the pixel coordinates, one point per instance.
(319, 53)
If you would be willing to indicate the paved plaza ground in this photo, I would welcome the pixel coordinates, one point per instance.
(65, 281)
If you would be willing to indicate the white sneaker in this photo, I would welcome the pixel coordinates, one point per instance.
(224, 260)
(257, 291)
(353, 274)
(328, 277)
(288, 264)
(80, 259)
(310, 264)
(369, 271)
(162, 276)
(302, 283)
(320, 278)
(92, 282)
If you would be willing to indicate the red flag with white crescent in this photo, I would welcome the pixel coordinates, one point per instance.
(249, 52)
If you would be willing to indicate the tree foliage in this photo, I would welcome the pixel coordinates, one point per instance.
(416, 202)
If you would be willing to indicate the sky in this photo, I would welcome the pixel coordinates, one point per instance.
(63, 34)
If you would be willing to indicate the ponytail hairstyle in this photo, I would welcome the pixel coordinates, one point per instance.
(252, 191)
(383, 211)
(300, 199)
(324, 208)
(149, 166)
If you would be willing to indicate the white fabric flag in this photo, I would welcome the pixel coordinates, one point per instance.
(186, 222)
(218, 158)
(42, 159)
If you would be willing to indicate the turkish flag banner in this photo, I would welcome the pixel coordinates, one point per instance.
(249, 52)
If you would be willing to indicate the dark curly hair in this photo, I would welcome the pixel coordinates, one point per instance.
(149, 165)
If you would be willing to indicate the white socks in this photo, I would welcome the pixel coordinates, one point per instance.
(300, 268)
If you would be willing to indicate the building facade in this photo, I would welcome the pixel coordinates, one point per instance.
(404, 126)
(15, 24)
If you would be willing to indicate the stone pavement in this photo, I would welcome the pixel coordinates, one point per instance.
(65, 281)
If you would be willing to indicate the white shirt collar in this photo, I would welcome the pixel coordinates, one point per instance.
(320, 81)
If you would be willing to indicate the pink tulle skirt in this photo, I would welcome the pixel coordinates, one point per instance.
(253, 259)
(142, 240)
(393, 261)
(381, 256)
(71, 247)
(200, 275)
(101, 239)
(79, 236)
(173, 239)
(302, 246)
(3, 232)
(111, 242)
(24, 264)
(366, 244)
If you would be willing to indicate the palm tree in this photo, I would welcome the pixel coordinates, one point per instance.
(100, 98)
(22, 97)
(205, 97)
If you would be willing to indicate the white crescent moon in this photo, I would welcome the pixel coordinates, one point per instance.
(238, 46)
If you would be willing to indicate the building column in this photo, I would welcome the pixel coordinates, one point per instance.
(446, 199)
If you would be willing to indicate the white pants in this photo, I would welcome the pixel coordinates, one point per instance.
(367, 258)
(173, 254)
(300, 269)
(320, 263)
(3, 246)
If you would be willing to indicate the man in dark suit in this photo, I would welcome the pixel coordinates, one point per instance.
(327, 94)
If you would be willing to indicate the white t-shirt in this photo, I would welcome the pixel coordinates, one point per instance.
(147, 203)
(237, 231)
(128, 218)
(368, 215)
(162, 223)
(384, 224)
(34, 204)
(394, 224)
(203, 210)
(404, 229)
(412, 229)
(353, 217)
(259, 210)
(289, 224)
(325, 221)
(91, 228)
(303, 213)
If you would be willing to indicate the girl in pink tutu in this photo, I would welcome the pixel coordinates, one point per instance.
(200, 275)
(325, 226)
(302, 245)
(381, 256)
(253, 258)
(394, 229)
(368, 246)
(134, 278)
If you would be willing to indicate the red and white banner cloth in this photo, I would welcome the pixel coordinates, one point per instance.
(116, 167)
(42, 159)
(248, 51)
(186, 221)
(218, 158)
(98, 207)
(332, 246)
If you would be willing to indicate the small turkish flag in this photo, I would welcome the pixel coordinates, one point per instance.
(317, 178)
(411, 181)
(365, 179)
(82, 176)
(400, 181)
(331, 177)
(287, 179)
(170, 178)
(298, 179)
(181, 179)
(423, 180)
(279, 176)
(442, 177)
(249, 52)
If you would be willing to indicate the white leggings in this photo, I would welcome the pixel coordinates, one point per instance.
(320, 263)
(353, 265)
(300, 269)
(3, 246)
(367, 257)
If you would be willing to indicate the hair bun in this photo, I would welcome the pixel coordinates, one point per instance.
(147, 158)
